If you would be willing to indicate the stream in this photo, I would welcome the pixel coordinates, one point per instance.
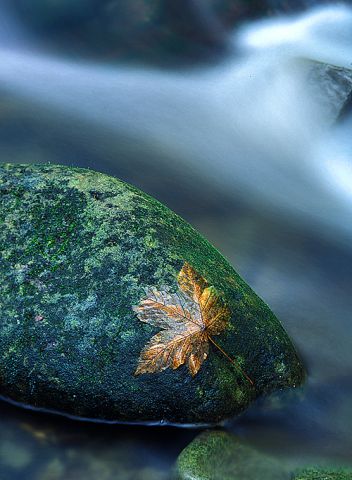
(251, 145)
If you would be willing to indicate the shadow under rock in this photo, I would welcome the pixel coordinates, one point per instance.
(293, 422)
(39, 446)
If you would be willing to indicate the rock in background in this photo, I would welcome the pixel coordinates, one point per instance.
(331, 88)
(319, 474)
(161, 31)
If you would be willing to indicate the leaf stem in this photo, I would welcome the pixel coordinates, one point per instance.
(231, 360)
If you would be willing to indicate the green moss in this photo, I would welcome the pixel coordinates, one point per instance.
(217, 455)
(319, 474)
(78, 248)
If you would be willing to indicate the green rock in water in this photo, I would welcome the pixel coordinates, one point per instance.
(78, 251)
(220, 456)
(317, 474)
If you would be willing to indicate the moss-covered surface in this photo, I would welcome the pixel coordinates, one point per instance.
(217, 455)
(77, 250)
(318, 474)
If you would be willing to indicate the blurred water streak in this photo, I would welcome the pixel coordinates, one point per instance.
(250, 127)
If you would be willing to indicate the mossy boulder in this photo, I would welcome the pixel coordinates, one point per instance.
(78, 249)
(319, 474)
(218, 455)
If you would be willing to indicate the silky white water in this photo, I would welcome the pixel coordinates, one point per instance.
(251, 126)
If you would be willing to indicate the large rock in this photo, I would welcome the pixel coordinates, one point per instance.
(220, 456)
(78, 251)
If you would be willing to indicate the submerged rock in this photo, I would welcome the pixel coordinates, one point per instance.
(318, 474)
(79, 251)
(220, 456)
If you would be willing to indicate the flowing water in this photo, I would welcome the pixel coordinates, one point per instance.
(252, 149)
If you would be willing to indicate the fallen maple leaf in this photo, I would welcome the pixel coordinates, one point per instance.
(188, 320)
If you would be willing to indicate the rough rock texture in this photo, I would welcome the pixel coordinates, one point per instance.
(317, 474)
(220, 456)
(78, 248)
(331, 88)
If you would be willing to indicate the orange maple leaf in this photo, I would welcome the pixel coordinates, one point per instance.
(188, 320)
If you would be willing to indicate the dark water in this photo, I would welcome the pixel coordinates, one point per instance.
(247, 147)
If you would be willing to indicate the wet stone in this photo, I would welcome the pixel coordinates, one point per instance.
(79, 250)
(218, 455)
(319, 474)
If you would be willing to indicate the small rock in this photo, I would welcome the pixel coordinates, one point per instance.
(318, 474)
(80, 250)
(331, 88)
(220, 456)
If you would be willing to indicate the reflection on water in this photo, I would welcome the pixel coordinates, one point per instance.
(44, 448)
(248, 151)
